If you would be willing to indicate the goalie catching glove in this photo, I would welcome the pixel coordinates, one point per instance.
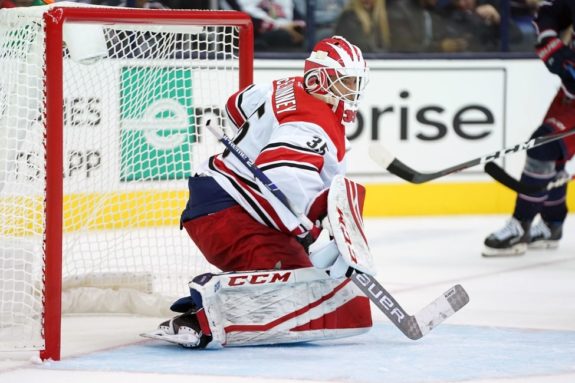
(341, 247)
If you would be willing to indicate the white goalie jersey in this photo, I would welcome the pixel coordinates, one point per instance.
(297, 140)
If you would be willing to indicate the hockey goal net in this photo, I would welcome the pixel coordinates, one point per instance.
(101, 122)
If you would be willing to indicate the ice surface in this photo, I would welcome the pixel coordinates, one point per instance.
(518, 327)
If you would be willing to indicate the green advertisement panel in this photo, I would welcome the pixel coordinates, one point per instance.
(156, 123)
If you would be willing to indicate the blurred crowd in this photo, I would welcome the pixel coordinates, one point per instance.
(376, 26)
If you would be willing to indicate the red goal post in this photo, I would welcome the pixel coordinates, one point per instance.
(130, 121)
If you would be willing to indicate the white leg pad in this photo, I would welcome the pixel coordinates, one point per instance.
(274, 306)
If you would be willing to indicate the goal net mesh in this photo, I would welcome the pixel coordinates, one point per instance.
(136, 99)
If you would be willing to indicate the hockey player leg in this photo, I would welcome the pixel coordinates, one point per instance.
(539, 170)
(513, 238)
(281, 306)
(554, 211)
(274, 307)
(547, 233)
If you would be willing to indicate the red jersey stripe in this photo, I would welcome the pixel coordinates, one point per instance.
(234, 112)
(290, 154)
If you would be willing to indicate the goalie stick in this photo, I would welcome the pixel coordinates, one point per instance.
(388, 161)
(501, 176)
(412, 326)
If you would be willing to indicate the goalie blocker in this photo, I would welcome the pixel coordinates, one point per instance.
(343, 246)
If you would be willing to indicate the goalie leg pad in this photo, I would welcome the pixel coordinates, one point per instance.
(279, 306)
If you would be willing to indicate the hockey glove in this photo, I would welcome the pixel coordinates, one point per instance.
(325, 255)
(558, 58)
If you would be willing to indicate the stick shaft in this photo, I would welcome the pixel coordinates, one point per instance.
(398, 168)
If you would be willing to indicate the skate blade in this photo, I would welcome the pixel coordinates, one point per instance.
(519, 249)
(187, 340)
(542, 245)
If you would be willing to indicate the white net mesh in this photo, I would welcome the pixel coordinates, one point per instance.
(133, 115)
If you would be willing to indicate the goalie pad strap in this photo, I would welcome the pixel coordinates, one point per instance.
(203, 321)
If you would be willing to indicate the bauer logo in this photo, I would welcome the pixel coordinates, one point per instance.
(156, 117)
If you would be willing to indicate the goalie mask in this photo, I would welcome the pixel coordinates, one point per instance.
(336, 73)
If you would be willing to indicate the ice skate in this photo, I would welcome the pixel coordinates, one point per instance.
(183, 330)
(511, 240)
(545, 235)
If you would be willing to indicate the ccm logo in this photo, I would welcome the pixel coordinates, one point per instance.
(380, 296)
(258, 279)
(345, 233)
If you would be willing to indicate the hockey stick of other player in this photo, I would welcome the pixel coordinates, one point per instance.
(413, 326)
(388, 161)
(501, 176)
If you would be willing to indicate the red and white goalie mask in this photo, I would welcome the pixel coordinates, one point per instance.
(336, 73)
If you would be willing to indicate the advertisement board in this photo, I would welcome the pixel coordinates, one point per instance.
(429, 114)
(428, 117)
(156, 135)
(437, 113)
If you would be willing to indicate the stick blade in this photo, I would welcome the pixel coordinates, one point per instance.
(498, 174)
(457, 297)
(438, 311)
